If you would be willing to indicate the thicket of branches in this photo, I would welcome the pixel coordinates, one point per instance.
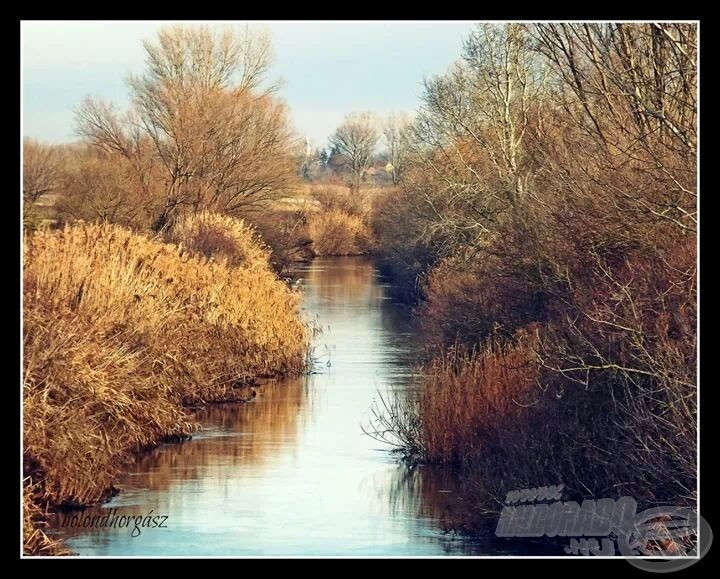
(551, 189)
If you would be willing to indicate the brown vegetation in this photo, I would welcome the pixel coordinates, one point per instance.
(35, 541)
(98, 186)
(219, 236)
(552, 187)
(121, 330)
(467, 400)
(339, 225)
(203, 133)
(285, 234)
(338, 233)
(330, 197)
(544, 221)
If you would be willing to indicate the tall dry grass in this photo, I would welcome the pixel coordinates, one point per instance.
(35, 540)
(337, 232)
(121, 330)
(466, 399)
(334, 197)
(214, 235)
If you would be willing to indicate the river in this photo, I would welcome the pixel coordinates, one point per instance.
(291, 473)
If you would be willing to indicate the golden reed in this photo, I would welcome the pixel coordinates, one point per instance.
(121, 331)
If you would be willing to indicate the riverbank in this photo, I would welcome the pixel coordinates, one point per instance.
(548, 234)
(323, 220)
(290, 473)
(122, 332)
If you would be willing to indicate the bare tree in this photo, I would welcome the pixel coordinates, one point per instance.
(507, 83)
(489, 101)
(470, 163)
(101, 186)
(629, 93)
(397, 132)
(41, 170)
(216, 137)
(356, 138)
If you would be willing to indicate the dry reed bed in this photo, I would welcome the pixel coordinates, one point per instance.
(211, 234)
(35, 540)
(467, 399)
(121, 330)
(336, 232)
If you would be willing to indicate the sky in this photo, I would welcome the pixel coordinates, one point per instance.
(327, 69)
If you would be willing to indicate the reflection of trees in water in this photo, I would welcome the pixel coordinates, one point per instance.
(234, 436)
(346, 281)
(429, 493)
(461, 508)
(352, 286)
(437, 496)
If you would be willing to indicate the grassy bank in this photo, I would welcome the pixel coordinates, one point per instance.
(121, 331)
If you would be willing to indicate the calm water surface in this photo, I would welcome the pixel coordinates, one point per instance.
(292, 473)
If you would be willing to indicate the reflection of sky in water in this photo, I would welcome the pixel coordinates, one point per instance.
(292, 473)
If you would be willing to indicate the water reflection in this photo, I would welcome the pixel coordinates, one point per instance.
(291, 473)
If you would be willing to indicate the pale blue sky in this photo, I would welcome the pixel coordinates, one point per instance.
(328, 68)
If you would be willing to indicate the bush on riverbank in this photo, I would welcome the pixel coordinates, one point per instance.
(609, 408)
(284, 231)
(121, 330)
(338, 198)
(213, 235)
(522, 412)
(337, 232)
(467, 398)
(613, 301)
